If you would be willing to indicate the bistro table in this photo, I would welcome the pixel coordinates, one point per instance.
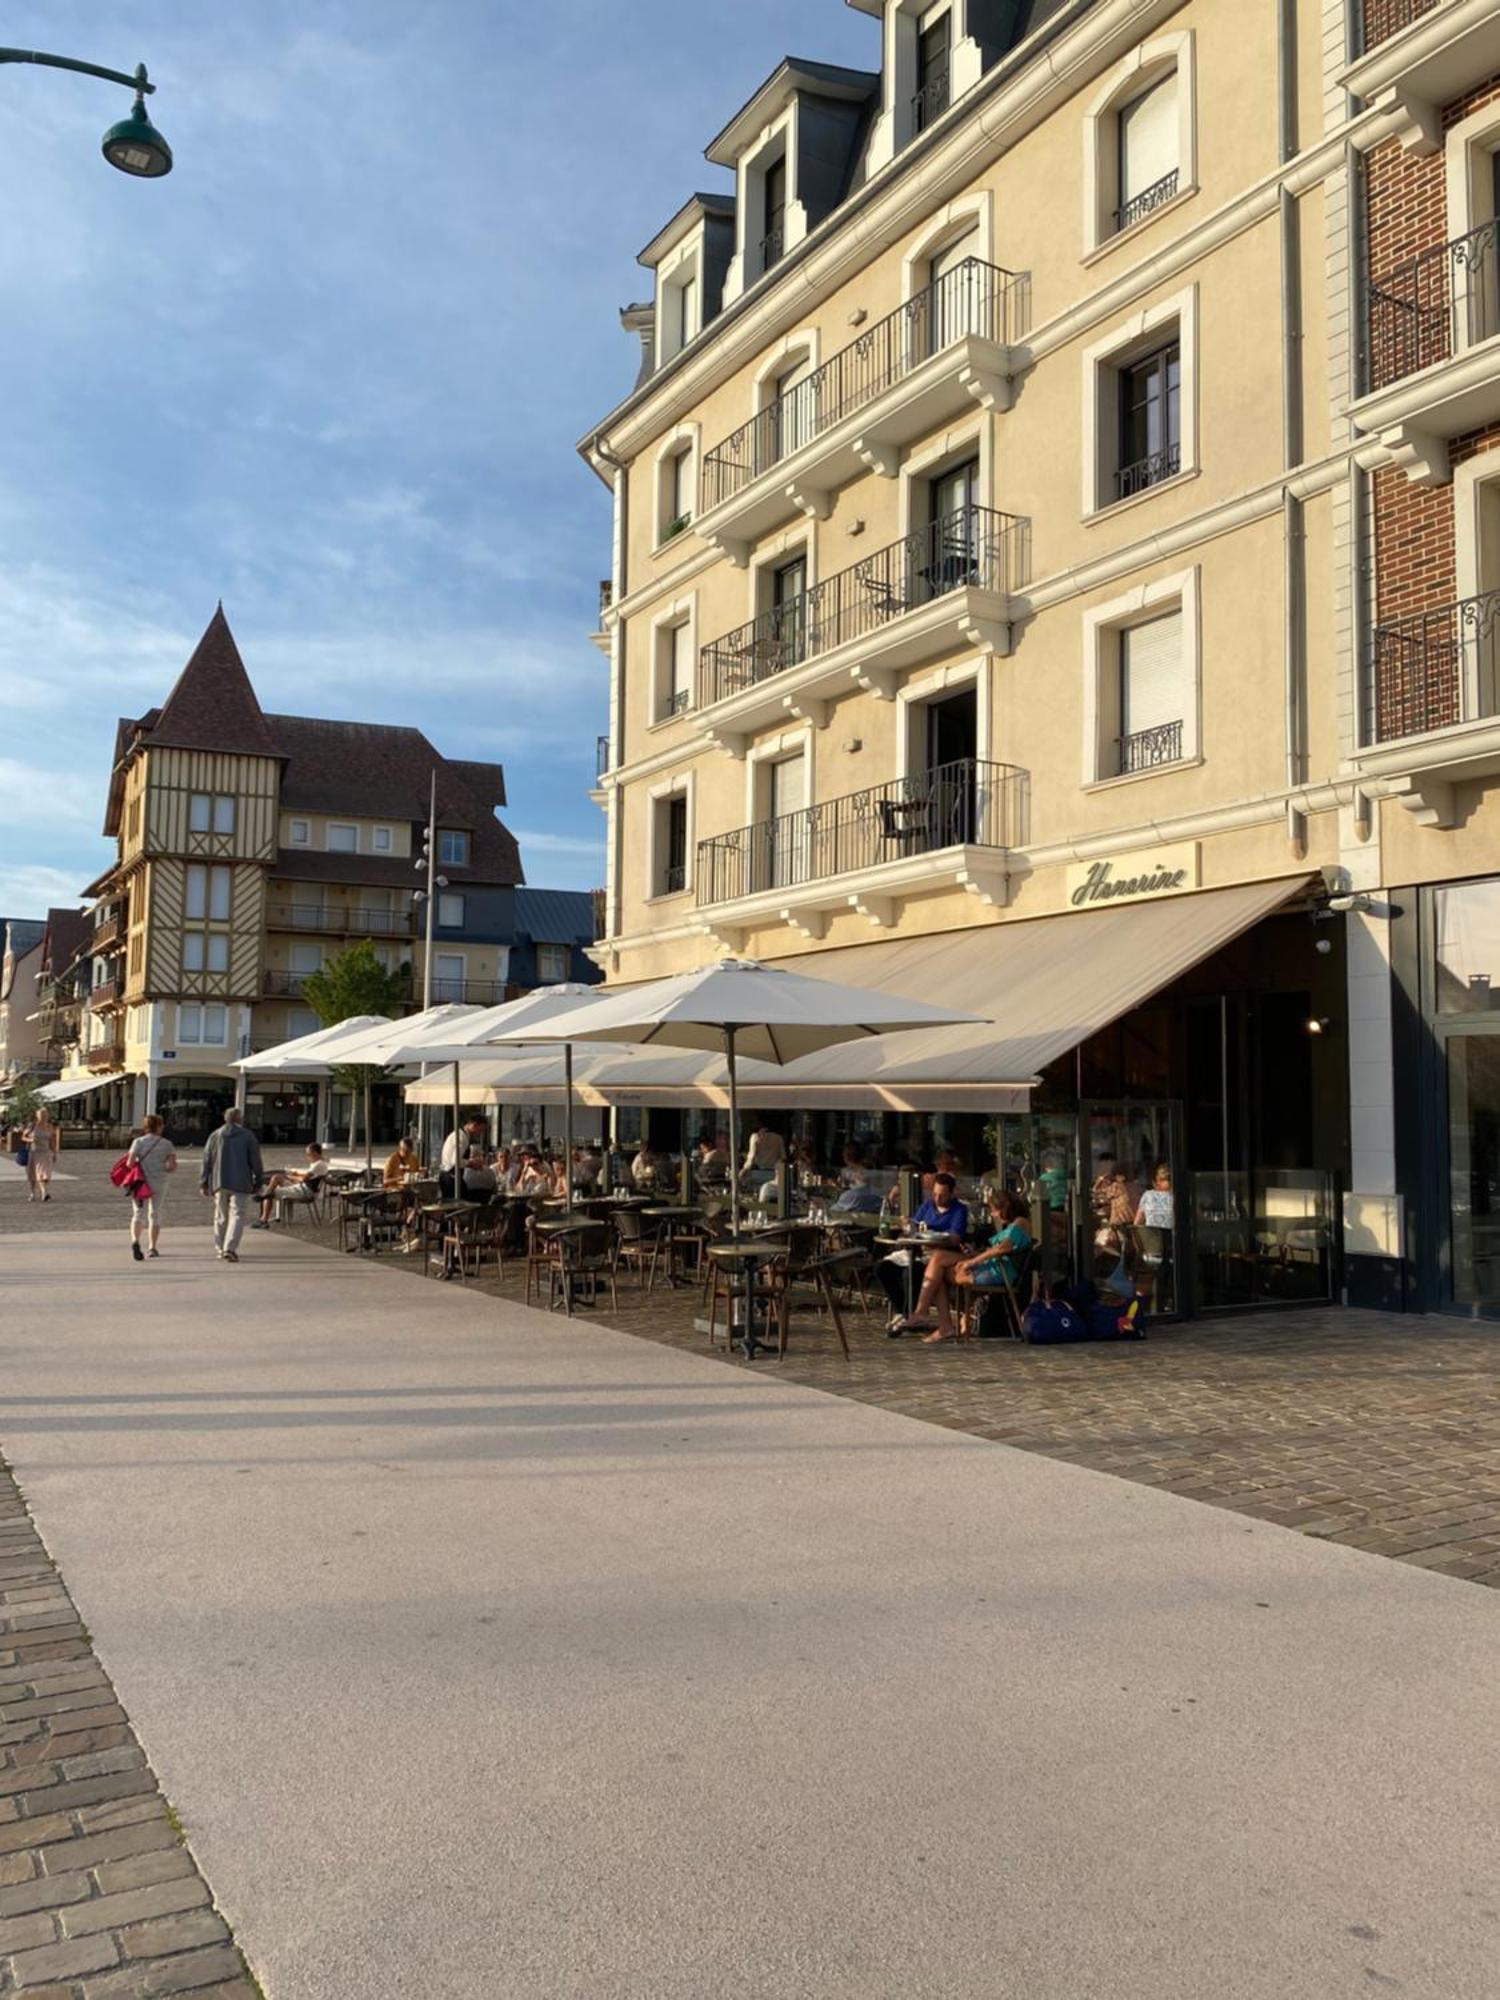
(433, 1218)
(741, 1260)
(664, 1215)
(353, 1201)
(923, 1241)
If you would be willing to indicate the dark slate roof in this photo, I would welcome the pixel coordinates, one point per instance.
(21, 934)
(213, 705)
(555, 916)
(794, 73)
(68, 931)
(485, 781)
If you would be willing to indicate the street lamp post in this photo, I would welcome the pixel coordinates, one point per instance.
(428, 862)
(134, 145)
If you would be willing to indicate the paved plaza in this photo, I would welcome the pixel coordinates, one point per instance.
(482, 1652)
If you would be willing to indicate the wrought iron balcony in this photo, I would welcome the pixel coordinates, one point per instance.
(347, 922)
(1429, 309)
(1384, 18)
(772, 247)
(606, 598)
(1148, 472)
(964, 804)
(1149, 199)
(975, 548)
(284, 985)
(469, 992)
(1143, 749)
(678, 701)
(974, 298)
(933, 99)
(1435, 669)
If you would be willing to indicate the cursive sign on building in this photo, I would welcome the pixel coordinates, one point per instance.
(1165, 873)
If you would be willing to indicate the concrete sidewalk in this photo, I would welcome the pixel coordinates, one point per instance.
(485, 1654)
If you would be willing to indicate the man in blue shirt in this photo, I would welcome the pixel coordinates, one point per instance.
(943, 1212)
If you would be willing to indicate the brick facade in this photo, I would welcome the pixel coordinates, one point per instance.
(1384, 18)
(1406, 216)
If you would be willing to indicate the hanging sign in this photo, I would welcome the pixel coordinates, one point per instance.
(1133, 878)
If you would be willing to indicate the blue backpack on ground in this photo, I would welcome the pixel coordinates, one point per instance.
(1080, 1314)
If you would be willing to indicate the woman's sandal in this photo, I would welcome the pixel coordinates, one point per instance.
(934, 1339)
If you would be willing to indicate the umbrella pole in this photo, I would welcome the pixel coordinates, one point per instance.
(734, 1137)
(458, 1142)
(568, 1124)
(369, 1135)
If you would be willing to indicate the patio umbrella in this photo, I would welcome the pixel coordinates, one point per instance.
(414, 1040)
(742, 1008)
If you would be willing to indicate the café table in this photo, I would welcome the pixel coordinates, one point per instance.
(432, 1220)
(665, 1215)
(919, 1242)
(741, 1259)
(353, 1202)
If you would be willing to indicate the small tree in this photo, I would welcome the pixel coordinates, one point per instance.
(23, 1101)
(354, 983)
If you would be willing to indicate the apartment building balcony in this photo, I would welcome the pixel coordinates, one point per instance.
(354, 921)
(933, 358)
(105, 1056)
(1433, 703)
(110, 932)
(1421, 54)
(942, 587)
(106, 994)
(1432, 351)
(954, 825)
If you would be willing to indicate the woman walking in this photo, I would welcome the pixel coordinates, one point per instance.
(45, 1142)
(153, 1154)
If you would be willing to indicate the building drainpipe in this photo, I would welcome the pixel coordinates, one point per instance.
(1294, 537)
(620, 585)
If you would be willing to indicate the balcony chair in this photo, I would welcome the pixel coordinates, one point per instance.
(587, 1259)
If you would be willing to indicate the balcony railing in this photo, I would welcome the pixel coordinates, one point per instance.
(772, 247)
(1435, 669)
(964, 804)
(1156, 196)
(470, 992)
(1148, 471)
(105, 1055)
(933, 99)
(105, 994)
(1425, 311)
(1384, 18)
(107, 933)
(606, 598)
(357, 922)
(1144, 748)
(975, 548)
(973, 298)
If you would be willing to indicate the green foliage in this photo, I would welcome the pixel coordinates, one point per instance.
(353, 983)
(23, 1100)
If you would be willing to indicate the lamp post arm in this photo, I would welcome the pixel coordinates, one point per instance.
(139, 82)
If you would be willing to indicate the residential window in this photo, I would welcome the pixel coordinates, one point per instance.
(788, 634)
(448, 976)
(301, 833)
(1150, 448)
(451, 912)
(1146, 163)
(786, 853)
(934, 72)
(671, 844)
(305, 958)
(677, 670)
(343, 839)
(208, 892)
(453, 848)
(210, 812)
(773, 240)
(218, 952)
(382, 840)
(192, 951)
(301, 1021)
(677, 493)
(1152, 694)
(791, 416)
(960, 295)
(190, 1024)
(203, 1026)
(205, 951)
(552, 964)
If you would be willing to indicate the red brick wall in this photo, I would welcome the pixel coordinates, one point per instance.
(1384, 18)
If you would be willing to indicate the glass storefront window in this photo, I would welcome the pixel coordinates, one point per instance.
(1474, 1166)
(1467, 923)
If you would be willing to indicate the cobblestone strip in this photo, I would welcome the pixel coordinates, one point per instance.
(99, 1897)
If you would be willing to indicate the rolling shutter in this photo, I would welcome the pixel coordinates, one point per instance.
(1151, 669)
(1148, 139)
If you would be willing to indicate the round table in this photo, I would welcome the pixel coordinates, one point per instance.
(932, 1239)
(742, 1258)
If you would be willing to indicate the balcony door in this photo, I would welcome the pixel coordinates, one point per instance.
(789, 614)
(947, 556)
(958, 288)
(448, 969)
(951, 797)
(787, 834)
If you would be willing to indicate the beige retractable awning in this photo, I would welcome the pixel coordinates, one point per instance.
(77, 1086)
(1044, 985)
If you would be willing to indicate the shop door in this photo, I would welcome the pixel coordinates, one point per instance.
(1129, 1205)
(1472, 1061)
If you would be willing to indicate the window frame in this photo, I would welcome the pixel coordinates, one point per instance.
(1102, 625)
(458, 855)
(659, 805)
(302, 838)
(383, 841)
(1103, 363)
(1126, 83)
(447, 900)
(565, 959)
(341, 826)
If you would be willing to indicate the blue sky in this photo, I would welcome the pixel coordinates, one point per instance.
(333, 369)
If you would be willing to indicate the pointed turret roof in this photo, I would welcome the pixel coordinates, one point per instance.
(213, 705)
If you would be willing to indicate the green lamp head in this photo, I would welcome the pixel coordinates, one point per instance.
(134, 145)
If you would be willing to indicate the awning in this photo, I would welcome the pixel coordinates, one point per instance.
(78, 1086)
(1046, 985)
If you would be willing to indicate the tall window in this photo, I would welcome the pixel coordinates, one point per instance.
(789, 613)
(205, 951)
(1148, 163)
(1150, 421)
(787, 842)
(934, 72)
(671, 844)
(773, 241)
(1152, 693)
(207, 894)
(448, 969)
(210, 812)
(677, 493)
(382, 840)
(453, 848)
(792, 411)
(677, 689)
(206, 1026)
(687, 310)
(946, 557)
(959, 293)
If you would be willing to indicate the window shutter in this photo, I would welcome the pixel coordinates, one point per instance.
(1151, 675)
(682, 666)
(1148, 139)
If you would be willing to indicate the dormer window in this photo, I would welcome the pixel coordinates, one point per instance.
(934, 91)
(773, 238)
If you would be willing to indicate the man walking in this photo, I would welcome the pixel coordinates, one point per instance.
(232, 1172)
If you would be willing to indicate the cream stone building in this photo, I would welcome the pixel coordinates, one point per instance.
(1054, 571)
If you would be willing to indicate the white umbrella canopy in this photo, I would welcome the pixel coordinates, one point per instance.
(307, 1049)
(743, 1008)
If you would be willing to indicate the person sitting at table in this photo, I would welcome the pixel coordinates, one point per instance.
(713, 1158)
(588, 1165)
(857, 1195)
(645, 1166)
(805, 1163)
(301, 1184)
(764, 1154)
(479, 1179)
(532, 1176)
(402, 1164)
(943, 1212)
(999, 1262)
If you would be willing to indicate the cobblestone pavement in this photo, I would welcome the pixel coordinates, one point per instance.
(1377, 1430)
(99, 1897)
(84, 1197)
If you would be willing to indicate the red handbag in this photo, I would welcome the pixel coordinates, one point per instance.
(128, 1177)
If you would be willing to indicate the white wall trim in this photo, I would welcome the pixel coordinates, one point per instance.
(1134, 607)
(932, 687)
(1144, 66)
(973, 211)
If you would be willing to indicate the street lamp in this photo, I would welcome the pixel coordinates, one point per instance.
(134, 145)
